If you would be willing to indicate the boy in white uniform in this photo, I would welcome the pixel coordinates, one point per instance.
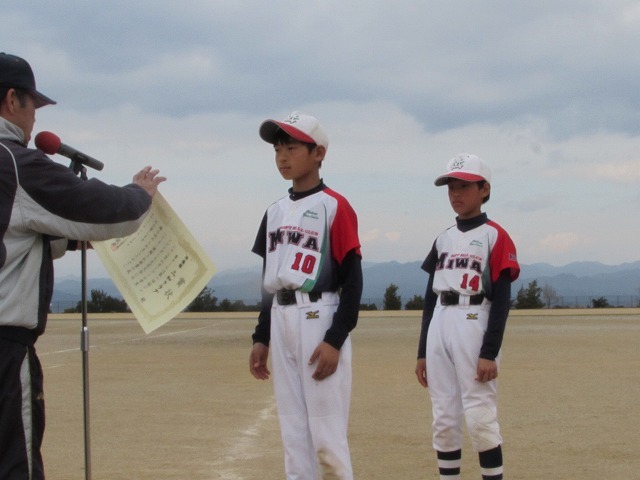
(471, 266)
(312, 284)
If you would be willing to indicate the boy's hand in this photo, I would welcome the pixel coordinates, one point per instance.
(421, 372)
(327, 357)
(487, 370)
(258, 361)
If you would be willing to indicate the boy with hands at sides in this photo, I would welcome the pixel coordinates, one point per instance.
(312, 284)
(471, 266)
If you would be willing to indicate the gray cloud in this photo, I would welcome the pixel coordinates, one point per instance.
(448, 64)
(540, 89)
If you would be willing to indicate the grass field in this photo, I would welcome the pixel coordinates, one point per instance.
(180, 403)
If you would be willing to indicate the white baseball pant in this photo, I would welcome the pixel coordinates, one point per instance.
(453, 346)
(313, 414)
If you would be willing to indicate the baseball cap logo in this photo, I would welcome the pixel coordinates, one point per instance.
(457, 164)
(292, 118)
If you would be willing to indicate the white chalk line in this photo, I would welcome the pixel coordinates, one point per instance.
(130, 340)
(245, 446)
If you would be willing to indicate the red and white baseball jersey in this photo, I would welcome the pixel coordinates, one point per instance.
(469, 261)
(304, 239)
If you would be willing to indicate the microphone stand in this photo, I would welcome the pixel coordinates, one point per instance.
(78, 168)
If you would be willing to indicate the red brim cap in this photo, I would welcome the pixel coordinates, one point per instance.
(269, 129)
(467, 177)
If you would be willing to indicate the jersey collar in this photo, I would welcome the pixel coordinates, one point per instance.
(471, 223)
(300, 195)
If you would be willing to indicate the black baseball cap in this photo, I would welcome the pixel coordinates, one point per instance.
(15, 72)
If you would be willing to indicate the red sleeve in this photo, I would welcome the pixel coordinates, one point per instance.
(503, 255)
(344, 229)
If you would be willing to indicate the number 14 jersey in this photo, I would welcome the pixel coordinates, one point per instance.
(468, 260)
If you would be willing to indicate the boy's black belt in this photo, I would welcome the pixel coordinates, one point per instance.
(288, 297)
(453, 298)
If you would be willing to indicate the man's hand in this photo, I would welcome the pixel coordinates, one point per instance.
(258, 361)
(327, 358)
(149, 180)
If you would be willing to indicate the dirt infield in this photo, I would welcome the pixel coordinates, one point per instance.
(180, 403)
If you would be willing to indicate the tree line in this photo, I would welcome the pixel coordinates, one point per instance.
(206, 301)
(531, 297)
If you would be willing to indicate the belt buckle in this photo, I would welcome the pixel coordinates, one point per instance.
(286, 297)
(448, 298)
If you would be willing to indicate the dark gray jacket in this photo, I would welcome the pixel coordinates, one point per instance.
(42, 204)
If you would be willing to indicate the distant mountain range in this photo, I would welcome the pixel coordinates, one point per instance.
(579, 280)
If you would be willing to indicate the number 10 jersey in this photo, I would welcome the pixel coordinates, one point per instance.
(304, 238)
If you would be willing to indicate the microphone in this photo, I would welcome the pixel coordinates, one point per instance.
(51, 144)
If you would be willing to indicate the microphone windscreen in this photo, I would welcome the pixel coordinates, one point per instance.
(48, 142)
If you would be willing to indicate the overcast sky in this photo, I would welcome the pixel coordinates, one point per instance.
(547, 92)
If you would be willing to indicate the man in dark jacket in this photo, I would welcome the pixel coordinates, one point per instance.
(42, 205)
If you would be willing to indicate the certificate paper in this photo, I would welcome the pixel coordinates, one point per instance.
(159, 269)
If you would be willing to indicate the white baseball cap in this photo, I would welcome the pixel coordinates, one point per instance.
(298, 125)
(465, 166)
